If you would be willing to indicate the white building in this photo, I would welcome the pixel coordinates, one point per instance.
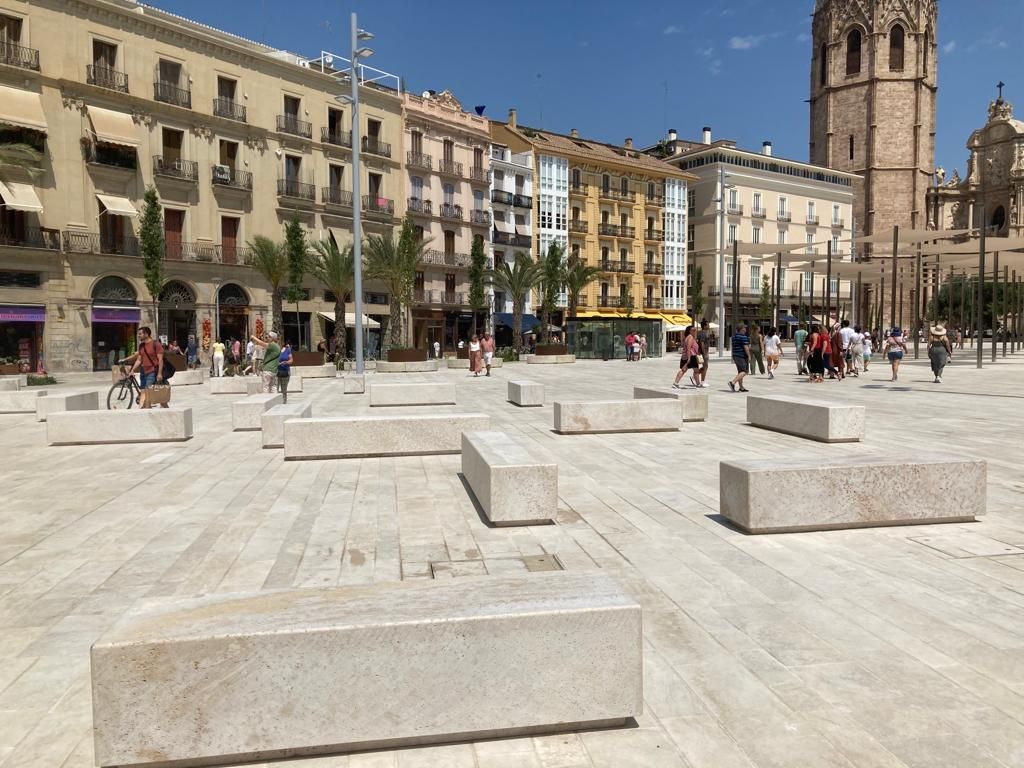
(512, 212)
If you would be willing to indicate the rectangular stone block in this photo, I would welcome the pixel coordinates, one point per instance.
(20, 378)
(272, 421)
(595, 416)
(526, 393)
(355, 383)
(66, 401)
(693, 402)
(137, 425)
(236, 385)
(9, 385)
(188, 378)
(20, 401)
(818, 420)
(463, 362)
(420, 366)
(247, 414)
(512, 486)
(269, 675)
(412, 394)
(347, 436)
(788, 494)
(325, 371)
(550, 359)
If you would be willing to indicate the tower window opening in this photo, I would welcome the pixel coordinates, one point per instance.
(853, 45)
(851, 147)
(896, 46)
(823, 65)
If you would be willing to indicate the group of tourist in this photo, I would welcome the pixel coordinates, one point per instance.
(636, 346)
(481, 353)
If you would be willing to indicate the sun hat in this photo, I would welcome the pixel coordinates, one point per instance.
(937, 330)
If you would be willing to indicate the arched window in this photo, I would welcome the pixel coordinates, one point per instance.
(233, 295)
(823, 65)
(926, 54)
(853, 43)
(896, 44)
(114, 290)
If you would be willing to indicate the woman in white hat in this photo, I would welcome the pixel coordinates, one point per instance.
(939, 350)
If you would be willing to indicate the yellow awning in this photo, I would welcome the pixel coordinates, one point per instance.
(117, 206)
(113, 127)
(22, 108)
(20, 197)
(677, 318)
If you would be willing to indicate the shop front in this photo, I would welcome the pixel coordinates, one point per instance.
(603, 338)
(233, 313)
(21, 339)
(177, 312)
(115, 318)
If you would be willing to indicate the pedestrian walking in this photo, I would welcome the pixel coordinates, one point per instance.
(816, 345)
(250, 350)
(856, 350)
(688, 358)
(474, 355)
(703, 345)
(643, 345)
(756, 350)
(487, 350)
(838, 366)
(218, 358)
(869, 344)
(437, 350)
(800, 340)
(940, 351)
(271, 360)
(149, 362)
(236, 354)
(192, 352)
(846, 335)
(629, 346)
(772, 351)
(895, 346)
(740, 358)
(284, 371)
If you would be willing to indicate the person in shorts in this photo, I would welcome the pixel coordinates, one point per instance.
(895, 346)
(271, 360)
(703, 346)
(487, 349)
(740, 358)
(772, 350)
(688, 353)
(192, 352)
(148, 361)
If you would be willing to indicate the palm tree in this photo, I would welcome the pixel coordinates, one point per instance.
(269, 259)
(517, 281)
(552, 269)
(394, 262)
(578, 275)
(335, 269)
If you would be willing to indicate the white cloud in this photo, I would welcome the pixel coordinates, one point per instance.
(745, 43)
(706, 52)
(716, 67)
(949, 47)
(671, 29)
(803, 37)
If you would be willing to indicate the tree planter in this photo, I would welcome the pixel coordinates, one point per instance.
(10, 369)
(462, 354)
(407, 355)
(307, 358)
(552, 349)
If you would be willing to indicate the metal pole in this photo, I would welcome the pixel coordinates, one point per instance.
(1016, 312)
(828, 281)
(979, 311)
(735, 284)
(810, 296)
(895, 247)
(357, 201)
(917, 306)
(721, 260)
(1005, 305)
(856, 302)
(778, 287)
(995, 306)
(800, 299)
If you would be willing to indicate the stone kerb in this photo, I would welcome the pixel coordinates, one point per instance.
(354, 384)
(350, 436)
(188, 377)
(368, 365)
(412, 394)
(786, 495)
(246, 414)
(550, 359)
(66, 401)
(420, 366)
(20, 378)
(9, 385)
(145, 425)
(21, 401)
(512, 486)
(526, 393)
(818, 420)
(272, 421)
(228, 678)
(325, 371)
(597, 416)
(463, 362)
(694, 403)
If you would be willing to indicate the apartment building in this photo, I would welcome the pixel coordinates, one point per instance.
(447, 177)
(512, 209)
(236, 137)
(767, 200)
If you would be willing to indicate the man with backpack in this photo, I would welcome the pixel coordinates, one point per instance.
(150, 359)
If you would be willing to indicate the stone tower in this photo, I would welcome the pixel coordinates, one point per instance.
(873, 84)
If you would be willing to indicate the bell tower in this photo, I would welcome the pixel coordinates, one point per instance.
(873, 86)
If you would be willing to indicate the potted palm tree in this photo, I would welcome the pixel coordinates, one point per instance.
(334, 267)
(516, 280)
(269, 260)
(394, 262)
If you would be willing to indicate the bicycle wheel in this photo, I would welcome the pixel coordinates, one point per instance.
(120, 396)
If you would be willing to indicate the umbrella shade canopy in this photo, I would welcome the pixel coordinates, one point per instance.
(350, 319)
(912, 236)
(992, 245)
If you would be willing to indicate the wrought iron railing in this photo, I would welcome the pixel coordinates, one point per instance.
(105, 77)
(230, 109)
(171, 93)
(291, 124)
(296, 189)
(176, 168)
(18, 56)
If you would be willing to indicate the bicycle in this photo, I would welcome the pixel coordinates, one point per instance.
(124, 393)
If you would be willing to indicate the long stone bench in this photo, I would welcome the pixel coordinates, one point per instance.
(348, 436)
(823, 421)
(235, 385)
(463, 362)
(596, 416)
(786, 494)
(188, 377)
(412, 394)
(513, 486)
(694, 404)
(137, 425)
(325, 371)
(21, 401)
(246, 414)
(354, 384)
(420, 366)
(20, 378)
(550, 359)
(526, 393)
(9, 385)
(368, 365)
(272, 421)
(66, 401)
(280, 673)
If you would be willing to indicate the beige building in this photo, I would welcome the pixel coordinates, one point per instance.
(447, 178)
(236, 137)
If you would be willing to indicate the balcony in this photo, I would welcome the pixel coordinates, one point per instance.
(611, 193)
(18, 56)
(449, 168)
(378, 205)
(608, 302)
(295, 189)
(657, 199)
(522, 201)
(186, 251)
(445, 298)
(291, 124)
(578, 225)
(608, 230)
(336, 196)
(653, 268)
(31, 237)
(450, 211)
(93, 242)
(784, 216)
(838, 223)
(506, 238)
(578, 189)
(337, 137)
(233, 254)
(652, 302)
(438, 258)
(105, 77)
(176, 168)
(476, 173)
(812, 220)
(758, 213)
(654, 235)
(735, 209)
(419, 160)
(499, 196)
(423, 207)
(226, 176)
(616, 265)
(111, 156)
(229, 109)
(170, 93)
(480, 217)
(375, 146)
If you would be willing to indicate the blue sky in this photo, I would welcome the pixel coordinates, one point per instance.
(740, 66)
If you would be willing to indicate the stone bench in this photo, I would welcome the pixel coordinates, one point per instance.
(526, 393)
(188, 377)
(66, 401)
(463, 362)
(235, 385)
(9, 385)
(272, 421)
(368, 365)
(348, 436)
(596, 416)
(693, 403)
(787, 494)
(246, 414)
(354, 384)
(412, 394)
(512, 486)
(145, 425)
(420, 366)
(21, 379)
(325, 371)
(550, 359)
(823, 421)
(280, 673)
(20, 401)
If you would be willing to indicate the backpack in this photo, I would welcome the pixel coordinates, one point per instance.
(167, 371)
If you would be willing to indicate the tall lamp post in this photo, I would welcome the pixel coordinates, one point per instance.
(722, 176)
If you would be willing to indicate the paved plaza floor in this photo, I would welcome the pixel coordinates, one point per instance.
(897, 647)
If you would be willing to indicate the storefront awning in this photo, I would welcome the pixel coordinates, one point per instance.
(117, 206)
(342, 237)
(677, 318)
(113, 127)
(505, 318)
(107, 314)
(22, 108)
(523, 229)
(20, 197)
(22, 313)
(350, 319)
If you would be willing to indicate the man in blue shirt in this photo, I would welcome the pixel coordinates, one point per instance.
(741, 357)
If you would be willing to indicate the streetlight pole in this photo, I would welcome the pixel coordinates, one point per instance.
(357, 202)
(721, 260)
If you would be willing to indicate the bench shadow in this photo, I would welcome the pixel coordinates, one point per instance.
(725, 522)
(480, 510)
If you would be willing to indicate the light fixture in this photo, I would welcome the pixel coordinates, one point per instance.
(343, 99)
(363, 53)
(362, 34)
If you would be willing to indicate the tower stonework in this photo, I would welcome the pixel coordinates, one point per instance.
(873, 86)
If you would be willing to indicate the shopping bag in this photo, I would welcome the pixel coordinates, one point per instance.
(156, 395)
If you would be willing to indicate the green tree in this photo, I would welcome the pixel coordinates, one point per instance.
(394, 262)
(552, 279)
(151, 246)
(626, 297)
(334, 268)
(298, 260)
(517, 280)
(477, 271)
(764, 307)
(269, 260)
(697, 297)
(578, 275)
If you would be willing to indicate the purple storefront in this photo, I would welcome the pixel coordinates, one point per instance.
(21, 335)
(114, 332)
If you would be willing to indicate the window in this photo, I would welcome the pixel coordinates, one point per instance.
(478, 200)
(623, 219)
(449, 194)
(732, 234)
(691, 202)
(851, 146)
(650, 295)
(174, 228)
(575, 213)
(757, 203)
(449, 151)
(604, 291)
(226, 88)
(652, 192)
(499, 178)
(833, 286)
(755, 277)
(576, 177)
(624, 186)
(104, 55)
(228, 154)
(782, 237)
(418, 280)
(755, 235)
(927, 52)
(837, 215)
(728, 274)
(691, 236)
(229, 228)
(810, 209)
(478, 158)
(373, 129)
(810, 243)
(733, 199)
(375, 184)
(499, 296)
(335, 124)
(449, 282)
(449, 241)
(823, 65)
(417, 232)
(835, 244)
(896, 44)
(172, 143)
(10, 30)
(808, 281)
(292, 105)
(169, 72)
(336, 174)
(499, 258)
(853, 44)
(292, 168)
(520, 184)
(20, 279)
(417, 142)
(112, 231)
(604, 253)
(780, 277)
(606, 182)
(783, 206)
